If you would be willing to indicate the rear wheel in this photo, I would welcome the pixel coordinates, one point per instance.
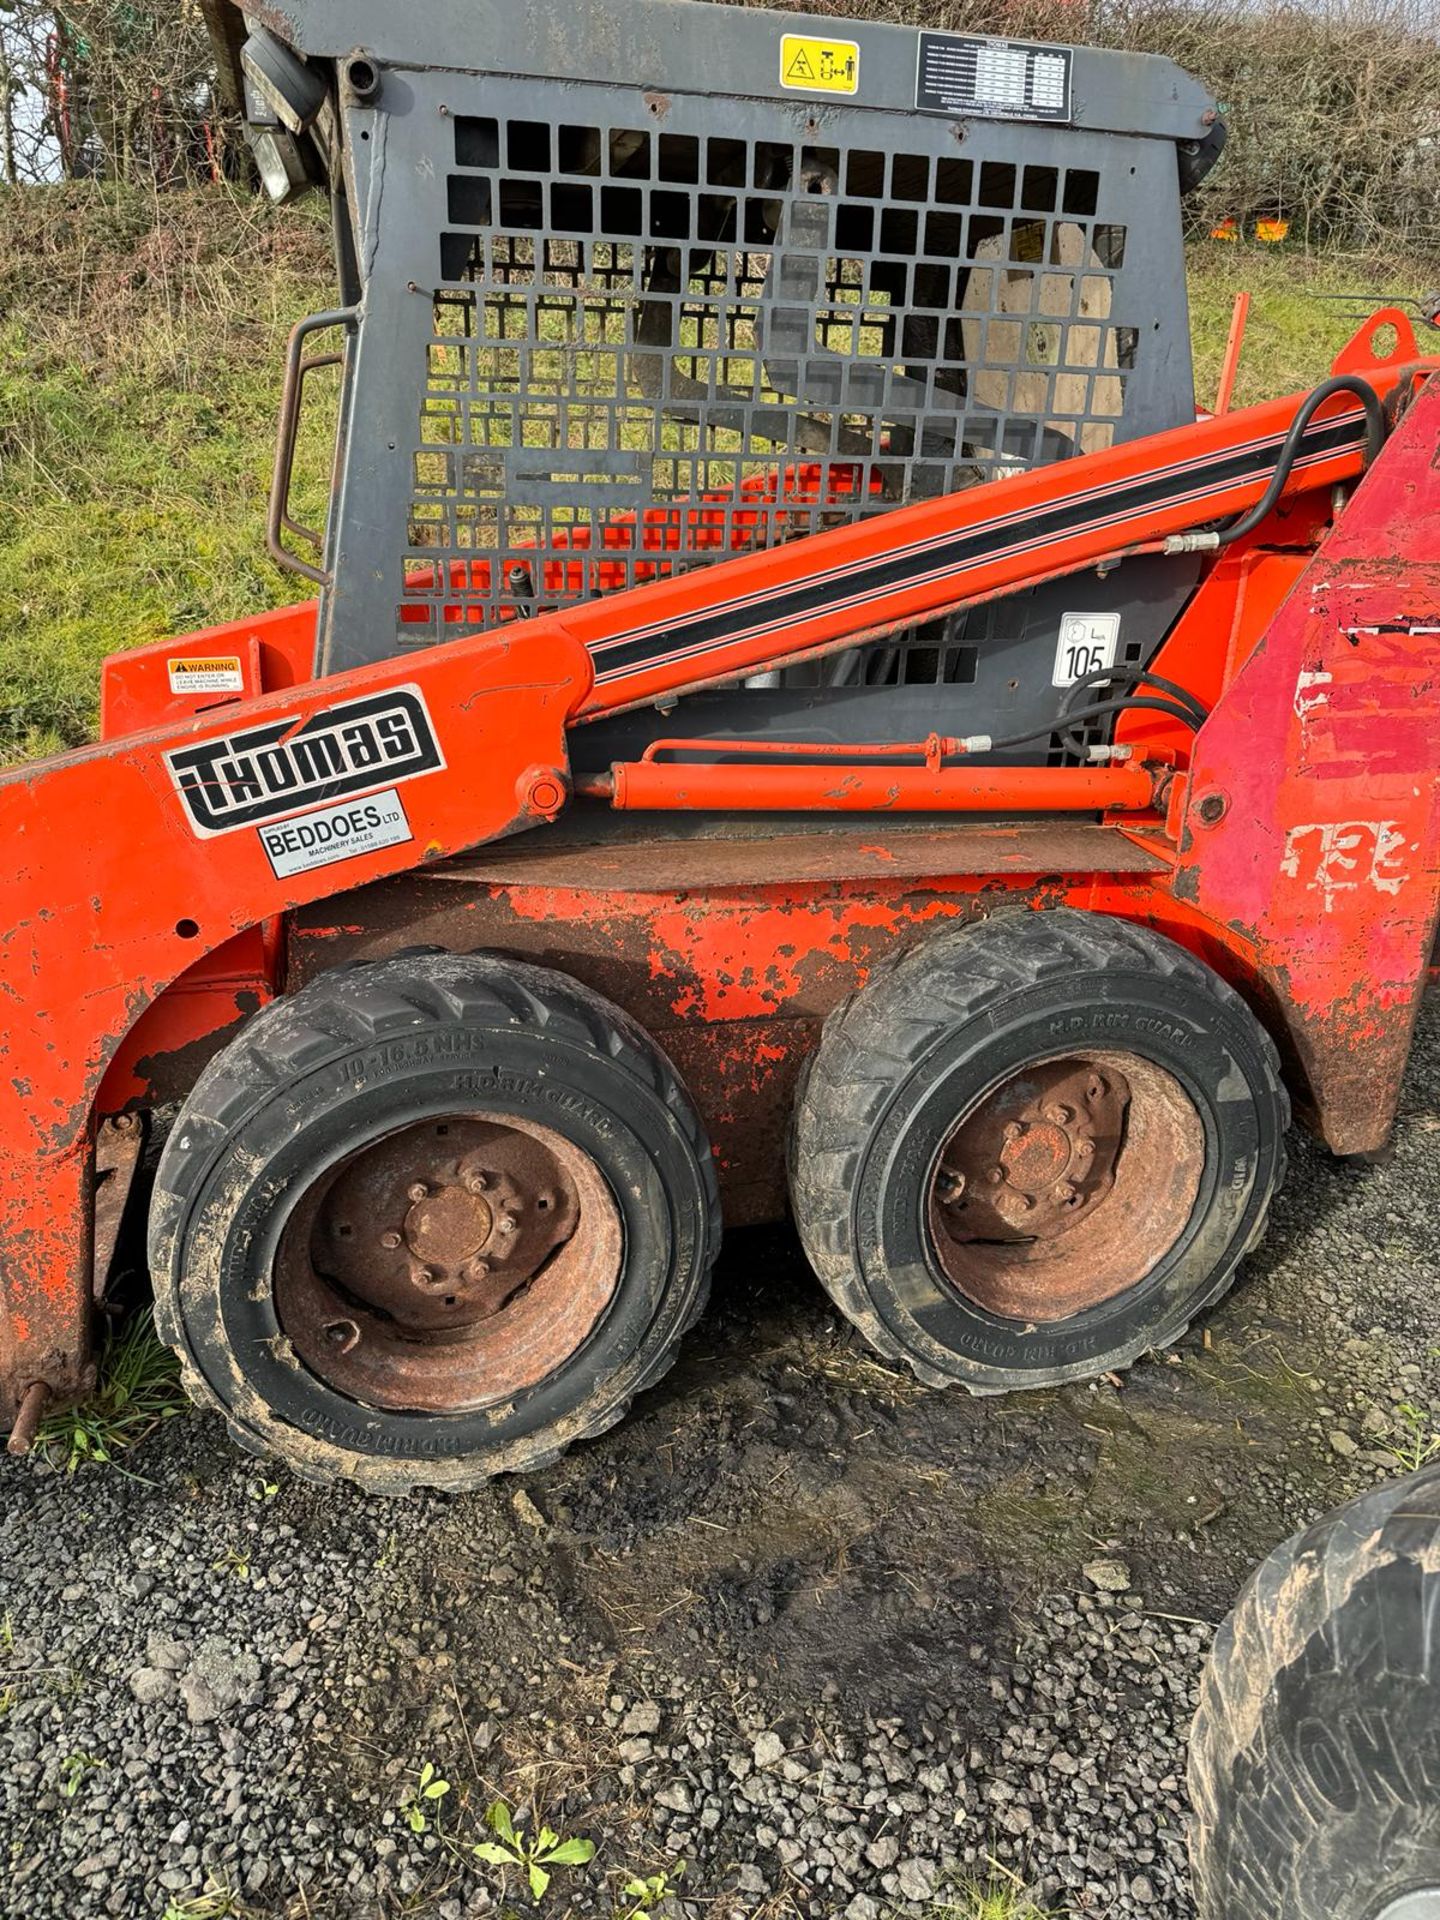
(1034, 1147)
(430, 1220)
(1315, 1756)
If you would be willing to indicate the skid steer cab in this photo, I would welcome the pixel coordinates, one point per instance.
(798, 714)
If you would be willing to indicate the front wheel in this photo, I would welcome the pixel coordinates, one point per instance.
(431, 1219)
(1315, 1756)
(1034, 1147)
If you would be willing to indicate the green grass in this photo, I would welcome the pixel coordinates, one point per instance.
(140, 363)
(139, 379)
(216, 1902)
(138, 1388)
(1293, 331)
(994, 1898)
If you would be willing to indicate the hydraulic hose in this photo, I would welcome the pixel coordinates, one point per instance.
(1375, 430)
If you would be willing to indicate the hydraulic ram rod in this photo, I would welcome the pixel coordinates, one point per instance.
(661, 786)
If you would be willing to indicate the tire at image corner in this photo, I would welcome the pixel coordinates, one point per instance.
(1315, 1754)
(951, 1018)
(352, 1058)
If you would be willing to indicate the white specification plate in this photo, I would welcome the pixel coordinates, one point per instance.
(1088, 642)
(971, 76)
(341, 832)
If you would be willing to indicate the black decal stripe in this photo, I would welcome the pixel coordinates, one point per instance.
(1265, 445)
(950, 554)
(833, 604)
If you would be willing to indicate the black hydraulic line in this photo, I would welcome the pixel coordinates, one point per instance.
(1135, 676)
(1181, 704)
(1174, 700)
(1375, 429)
(1104, 708)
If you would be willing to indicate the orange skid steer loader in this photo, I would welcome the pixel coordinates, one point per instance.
(797, 712)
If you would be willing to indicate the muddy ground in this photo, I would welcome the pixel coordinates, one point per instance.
(786, 1536)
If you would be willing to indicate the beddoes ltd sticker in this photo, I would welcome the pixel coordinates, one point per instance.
(288, 765)
(340, 832)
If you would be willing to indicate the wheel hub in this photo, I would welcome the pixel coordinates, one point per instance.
(446, 1259)
(1065, 1185)
(1035, 1155)
(454, 1223)
(446, 1227)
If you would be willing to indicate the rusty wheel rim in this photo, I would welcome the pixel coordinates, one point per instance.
(1065, 1185)
(449, 1265)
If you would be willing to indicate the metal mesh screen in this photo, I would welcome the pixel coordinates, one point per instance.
(653, 348)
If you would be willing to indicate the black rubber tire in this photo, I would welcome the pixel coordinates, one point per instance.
(350, 1057)
(1315, 1756)
(925, 1037)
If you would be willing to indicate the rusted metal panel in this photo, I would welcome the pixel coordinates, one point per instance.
(118, 1142)
(734, 980)
(1321, 853)
(614, 855)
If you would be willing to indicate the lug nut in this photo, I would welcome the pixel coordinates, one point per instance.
(1064, 1192)
(1084, 1148)
(475, 1183)
(1013, 1129)
(506, 1223)
(996, 1176)
(390, 1241)
(479, 1269)
(418, 1191)
(1059, 1116)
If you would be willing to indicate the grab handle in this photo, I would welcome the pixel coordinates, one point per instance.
(298, 367)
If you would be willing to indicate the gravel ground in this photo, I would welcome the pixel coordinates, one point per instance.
(836, 1643)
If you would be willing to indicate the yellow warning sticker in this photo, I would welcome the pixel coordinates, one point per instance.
(211, 673)
(809, 64)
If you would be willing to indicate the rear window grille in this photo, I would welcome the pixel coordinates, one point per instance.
(653, 349)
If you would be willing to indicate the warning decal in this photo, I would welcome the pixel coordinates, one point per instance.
(214, 673)
(813, 65)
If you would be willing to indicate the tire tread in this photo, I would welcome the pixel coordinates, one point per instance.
(353, 1006)
(878, 1036)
